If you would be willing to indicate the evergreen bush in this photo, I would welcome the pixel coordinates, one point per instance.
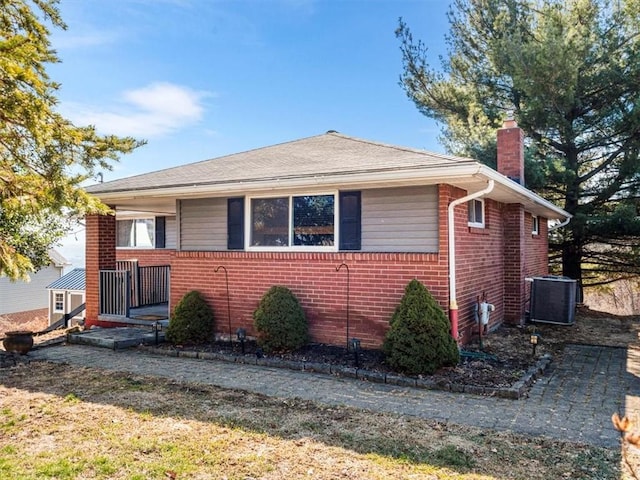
(419, 339)
(191, 321)
(279, 321)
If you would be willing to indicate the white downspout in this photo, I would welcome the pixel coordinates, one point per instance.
(560, 225)
(453, 304)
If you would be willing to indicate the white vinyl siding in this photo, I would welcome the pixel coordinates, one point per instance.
(203, 224)
(170, 232)
(22, 296)
(393, 220)
(400, 219)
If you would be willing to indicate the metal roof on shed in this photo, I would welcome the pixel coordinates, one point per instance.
(74, 280)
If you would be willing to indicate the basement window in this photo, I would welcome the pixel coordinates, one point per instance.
(476, 213)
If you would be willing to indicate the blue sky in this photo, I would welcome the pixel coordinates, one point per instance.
(200, 79)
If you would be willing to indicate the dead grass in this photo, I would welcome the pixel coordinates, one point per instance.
(76, 423)
(35, 324)
(60, 422)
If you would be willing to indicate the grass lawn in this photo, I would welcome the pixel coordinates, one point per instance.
(59, 422)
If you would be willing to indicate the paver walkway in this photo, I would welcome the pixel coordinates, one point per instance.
(574, 402)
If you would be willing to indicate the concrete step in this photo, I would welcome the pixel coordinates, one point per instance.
(116, 338)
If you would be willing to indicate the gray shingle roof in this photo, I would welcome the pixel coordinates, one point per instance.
(74, 280)
(328, 154)
(331, 159)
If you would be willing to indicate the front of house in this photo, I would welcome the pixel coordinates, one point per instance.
(345, 223)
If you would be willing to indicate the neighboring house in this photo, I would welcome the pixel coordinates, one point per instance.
(292, 213)
(67, 294)
(22, 301)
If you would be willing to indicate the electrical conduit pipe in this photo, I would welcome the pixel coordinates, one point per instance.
(453, 303)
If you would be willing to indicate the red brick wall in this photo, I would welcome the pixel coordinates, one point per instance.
(514, 267)
(479, 266)
(146, 258)
(100, 254)
(377, 283)
(537, 252)
(511, 152)
(537, 247)
(479, 254)
(377, 280)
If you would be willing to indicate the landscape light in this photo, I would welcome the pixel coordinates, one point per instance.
(241, 333)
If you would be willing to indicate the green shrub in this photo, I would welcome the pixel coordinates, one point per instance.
(419, 339)
(191, 321)
(279, 321)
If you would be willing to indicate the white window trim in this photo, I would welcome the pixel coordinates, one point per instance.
(484, 214)
(535, 225)
(55, 302)
(136, 217)
(292, 248)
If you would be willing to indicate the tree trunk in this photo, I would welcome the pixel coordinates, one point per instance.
(572, 265)
(571, 261)
(572, 247)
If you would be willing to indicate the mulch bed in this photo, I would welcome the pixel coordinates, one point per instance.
(506, 361)
(506, 356)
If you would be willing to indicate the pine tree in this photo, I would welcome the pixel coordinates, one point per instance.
(44, 158)
(569, 72)
(192, 320)
(419, 338)
(280, 322)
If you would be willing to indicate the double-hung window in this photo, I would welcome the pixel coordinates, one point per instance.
(476, 213)
(297, 221)
(136, 233)
(535, 225)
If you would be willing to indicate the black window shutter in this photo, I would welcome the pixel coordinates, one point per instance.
(235, 223)
(161, 223)
(350, 225)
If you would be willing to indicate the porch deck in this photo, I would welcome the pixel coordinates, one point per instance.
(149, 316)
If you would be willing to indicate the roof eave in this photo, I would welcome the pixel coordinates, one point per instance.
(449, 174)
(526, 195)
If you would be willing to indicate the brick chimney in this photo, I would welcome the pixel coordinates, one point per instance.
(511, 151)
(511, 164)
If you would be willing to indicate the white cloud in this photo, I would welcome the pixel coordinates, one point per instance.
(151, 111)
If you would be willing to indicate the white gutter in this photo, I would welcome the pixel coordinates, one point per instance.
(453, 304)
(450, 174)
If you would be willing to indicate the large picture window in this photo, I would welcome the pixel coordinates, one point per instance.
(270, 222)
(136, 233)
(313, 220)
(303, 221)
